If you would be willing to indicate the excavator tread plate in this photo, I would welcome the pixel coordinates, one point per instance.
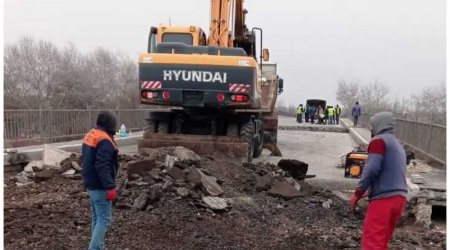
(218, 147)
(198, 138)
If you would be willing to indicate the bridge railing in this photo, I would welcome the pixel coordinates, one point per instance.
(30, 127)
(427, 139)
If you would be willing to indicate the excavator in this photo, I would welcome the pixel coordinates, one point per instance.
(208, 93)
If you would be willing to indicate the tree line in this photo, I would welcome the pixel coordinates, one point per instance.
(39, 75)
(428, 106)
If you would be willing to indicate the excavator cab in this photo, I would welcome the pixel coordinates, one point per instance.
(188, 35)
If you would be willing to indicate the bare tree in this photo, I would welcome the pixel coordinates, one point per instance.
(39, 75)
(430, 105)
(347, 94)
(374, 97)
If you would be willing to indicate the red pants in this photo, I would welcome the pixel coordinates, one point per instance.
(382, 215)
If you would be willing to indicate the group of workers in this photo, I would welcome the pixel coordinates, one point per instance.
(329, 115)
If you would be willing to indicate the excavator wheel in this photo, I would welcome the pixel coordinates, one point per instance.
(246, 133)
(258, 145)
(163, 127)
(150, 126)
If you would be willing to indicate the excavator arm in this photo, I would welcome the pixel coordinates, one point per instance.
(220, 21)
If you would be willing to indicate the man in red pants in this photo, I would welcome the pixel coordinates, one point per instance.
(384, 179)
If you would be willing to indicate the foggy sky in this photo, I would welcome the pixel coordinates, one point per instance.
(315, 43)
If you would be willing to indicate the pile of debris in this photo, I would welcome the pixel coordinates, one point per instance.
(170, 198)
(179, 173)
(55, 162)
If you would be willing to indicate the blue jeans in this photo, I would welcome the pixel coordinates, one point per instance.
(101, 218)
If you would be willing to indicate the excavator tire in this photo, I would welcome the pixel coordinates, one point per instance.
(258, 146)
(150, 126)
(163, 127)
(246, 133)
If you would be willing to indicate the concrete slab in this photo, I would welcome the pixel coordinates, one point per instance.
(29, 153)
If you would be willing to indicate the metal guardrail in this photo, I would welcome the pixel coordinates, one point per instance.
(427, 137)
(28, 127)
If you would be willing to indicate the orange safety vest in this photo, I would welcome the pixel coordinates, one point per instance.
(94, 136)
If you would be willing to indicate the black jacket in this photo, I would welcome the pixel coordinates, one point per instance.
(99, 160)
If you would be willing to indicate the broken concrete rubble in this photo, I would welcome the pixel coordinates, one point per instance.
(283, 189)
(52, 156)
(210, 184)
(141, 201)
(155, 193)
(184, 154)
(76, 166)
(295, 168)
(43, 175)
(263, 183)
(176, 173)
(294, 183)
(22, 177)
(154, 173)
(215, 203)
(423, 212)
(140, 167)
(327, 204)
(183, 192)
(170, 161)
(242, 200)
(193, 177)
(33, 165)
(69, 172)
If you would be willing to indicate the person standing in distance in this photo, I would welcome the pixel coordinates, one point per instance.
(338, 113)
(356, 113)
(100, 165)
(384, 180)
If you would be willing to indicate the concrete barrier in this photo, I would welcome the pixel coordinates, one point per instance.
(315, 127)
(355, 135)
(24, 155)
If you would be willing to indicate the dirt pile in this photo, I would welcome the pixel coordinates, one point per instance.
(171, 199)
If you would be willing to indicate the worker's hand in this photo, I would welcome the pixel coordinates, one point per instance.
(111, 194)
(357, 195)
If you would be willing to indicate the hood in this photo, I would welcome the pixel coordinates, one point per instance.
(382, 122)
(107, 121)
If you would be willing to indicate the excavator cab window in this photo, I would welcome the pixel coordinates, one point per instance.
(178, 38)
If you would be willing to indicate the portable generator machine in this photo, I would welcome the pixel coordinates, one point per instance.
(354, 164)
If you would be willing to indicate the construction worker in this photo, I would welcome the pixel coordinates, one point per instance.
(300, 111)
(337, 113)
(356, 113)
(312, 113)
(330, 112)
(384, 180)
(307, 111)
(100, 166)
(321, 114)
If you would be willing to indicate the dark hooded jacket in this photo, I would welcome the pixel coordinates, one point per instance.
(100, 154)
(384, 173)
(356, 110)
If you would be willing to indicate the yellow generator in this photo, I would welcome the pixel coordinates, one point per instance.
(354, 164)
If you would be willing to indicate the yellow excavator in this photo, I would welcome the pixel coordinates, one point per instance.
(216, 101)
